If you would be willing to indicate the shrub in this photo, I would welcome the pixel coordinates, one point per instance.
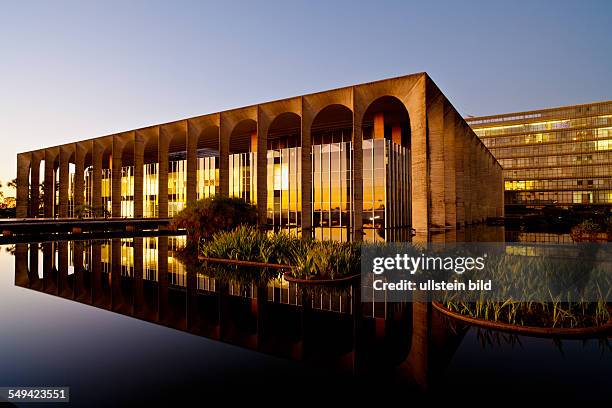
(309, 259)
(204, 217)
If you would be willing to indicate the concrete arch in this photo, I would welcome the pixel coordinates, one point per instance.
(313, 104)
(331, 117)
(388, 115)
(243, 137)
(285, 124)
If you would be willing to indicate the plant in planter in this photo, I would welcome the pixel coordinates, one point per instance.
(204, 217)
(308, 259)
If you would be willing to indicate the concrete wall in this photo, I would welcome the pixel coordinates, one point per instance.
(455, 181)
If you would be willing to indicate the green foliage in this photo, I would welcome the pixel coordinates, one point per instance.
(310, 259)
(328, 260)
(588, 230)
(205, 217)
(537, 314)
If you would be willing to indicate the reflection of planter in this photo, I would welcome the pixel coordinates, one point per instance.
(529, 330)
(588, 236)
(345, 280)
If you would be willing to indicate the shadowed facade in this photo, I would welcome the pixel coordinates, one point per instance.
(359, 162)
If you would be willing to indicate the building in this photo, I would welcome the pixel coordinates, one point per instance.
(560, 156)
(365, 160)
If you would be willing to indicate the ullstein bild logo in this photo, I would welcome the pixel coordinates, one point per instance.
(423, 263)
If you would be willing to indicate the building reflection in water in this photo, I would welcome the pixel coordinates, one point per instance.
(142, 277)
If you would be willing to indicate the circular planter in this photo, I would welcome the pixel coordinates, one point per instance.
(529, 330)
(321, 282)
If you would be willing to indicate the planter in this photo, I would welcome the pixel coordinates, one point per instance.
(345, 280)
(244, 263)
(528, 330)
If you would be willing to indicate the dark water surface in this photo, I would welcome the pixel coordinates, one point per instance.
(121, 321)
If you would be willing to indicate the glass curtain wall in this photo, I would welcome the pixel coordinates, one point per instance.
(386, 182)
(127, 191)
(88, 183)
(177, 183)
(150, 190)
(207, 173)
(332, 163)
(107, 196)
(284, 184)
(243, 176)
(71, 192)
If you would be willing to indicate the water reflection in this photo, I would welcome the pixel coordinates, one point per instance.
(142, 277)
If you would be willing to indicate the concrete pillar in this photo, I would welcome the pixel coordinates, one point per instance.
(192, 164)
(224, 139)
(49, 183)
(96, 273)
(64, 181)
(23, 184)
(96, 188)
(63, 287)
(396, 134)
(162, 157)
(418, 160)
(35, 185)
(459, 173)
(79, 278)
(259, 144)
(22, 277)
(379, 126)
(450, 169)
(138, 174)
(79, 174)
(254, 141)
(115, 274)
(435, 118)
(467, 176)
(117, 163)
(306, 176)
(357, 181)
(162, 275)
(138, 302)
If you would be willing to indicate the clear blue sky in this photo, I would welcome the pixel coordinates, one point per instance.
(74, 70)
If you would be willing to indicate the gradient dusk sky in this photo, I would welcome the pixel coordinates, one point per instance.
(72, 70)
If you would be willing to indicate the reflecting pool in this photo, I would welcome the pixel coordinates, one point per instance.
(124, 320)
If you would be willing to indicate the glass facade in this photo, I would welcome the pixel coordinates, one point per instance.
(127, 191)
(332, 192)
(386, 180)
(559, 156)
(150, 190)
(107, 191)
(177, 186)
(284, 181)
(243, 176)
(208, 174)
